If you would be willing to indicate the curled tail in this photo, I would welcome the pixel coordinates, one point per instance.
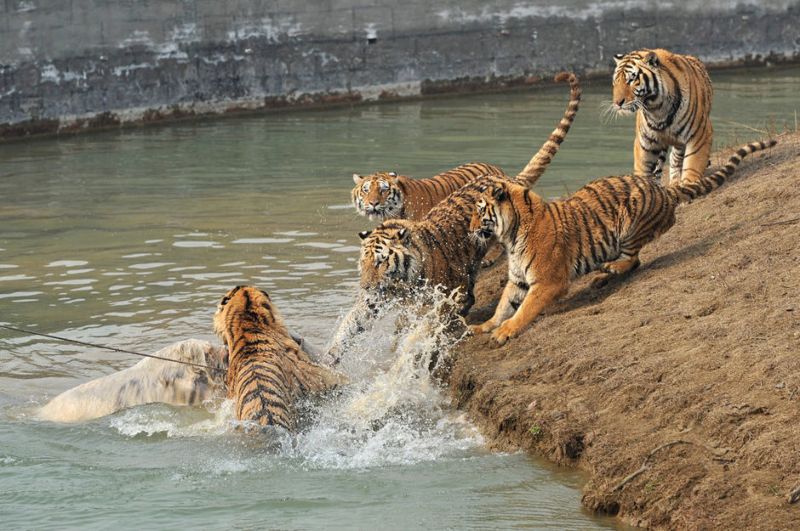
(535, 168)
(685, 192)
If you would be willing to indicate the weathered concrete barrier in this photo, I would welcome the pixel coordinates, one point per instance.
(70, 66)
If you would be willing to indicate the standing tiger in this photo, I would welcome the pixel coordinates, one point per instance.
(387, 195)
(399, 255)
(671, 95)
(267, 370)
(602, 226)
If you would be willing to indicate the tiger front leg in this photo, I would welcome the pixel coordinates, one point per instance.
(676, 155)
(695, 161)
(359, 319)
(513, 293)
(649, 155)
(539, 297)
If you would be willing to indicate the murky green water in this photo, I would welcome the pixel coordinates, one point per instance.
(131, 238)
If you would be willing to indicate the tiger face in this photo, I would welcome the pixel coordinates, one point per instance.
(378, 196)
(242, 307)
(487, 220)
(387, 260)
(636, 81)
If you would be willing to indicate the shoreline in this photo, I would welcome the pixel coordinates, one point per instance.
(677, 389)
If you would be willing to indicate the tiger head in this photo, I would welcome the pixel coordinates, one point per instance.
(637, 81)
(378, 196)
(388, 258)
(490, 214)
(243, 309)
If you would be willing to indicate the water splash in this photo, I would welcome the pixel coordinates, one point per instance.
(392, 413)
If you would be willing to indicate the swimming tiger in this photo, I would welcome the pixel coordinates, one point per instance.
(150, 380)
(267, 371)
(671, 95)
(602, 226)
(399, 255)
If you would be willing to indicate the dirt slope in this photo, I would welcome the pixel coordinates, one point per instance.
(688, 371)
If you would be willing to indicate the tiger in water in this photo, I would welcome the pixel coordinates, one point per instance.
(602, 226)
(387, 195)
(400, 255)
(671, 96)
(267, 370)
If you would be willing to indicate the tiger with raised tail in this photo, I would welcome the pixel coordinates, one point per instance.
(400, 255)
(387, 195)
(671, 95)
(602, 226)
(267, 370)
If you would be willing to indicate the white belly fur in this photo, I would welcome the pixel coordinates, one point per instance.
(148, 381)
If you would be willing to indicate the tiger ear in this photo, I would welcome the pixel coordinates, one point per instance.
(392, 174)
(651, 59)
(357, 178)
(402, 234)
(364, 233)
(618, 57)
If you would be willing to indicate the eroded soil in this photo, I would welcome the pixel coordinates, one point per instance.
(676, 389)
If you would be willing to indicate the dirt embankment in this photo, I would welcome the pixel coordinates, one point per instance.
(678, 388)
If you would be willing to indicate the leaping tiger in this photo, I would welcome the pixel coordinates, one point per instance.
(671, 96)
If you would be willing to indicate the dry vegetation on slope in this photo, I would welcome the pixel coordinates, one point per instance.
(678, 388)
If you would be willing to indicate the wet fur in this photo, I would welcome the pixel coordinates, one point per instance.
(149, 381)
(267, 370)
(601, 227)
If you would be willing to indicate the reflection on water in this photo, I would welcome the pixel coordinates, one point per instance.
(131, 238)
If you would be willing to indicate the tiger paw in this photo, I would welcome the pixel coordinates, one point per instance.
(600, 280)
(474, 330)
(503, 334)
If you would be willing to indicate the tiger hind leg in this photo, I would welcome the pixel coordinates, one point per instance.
(616, 268)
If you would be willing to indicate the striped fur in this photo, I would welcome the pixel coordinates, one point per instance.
(386, 195)
(399, 255)
(602, 226)
(267, 370)
(671, 95)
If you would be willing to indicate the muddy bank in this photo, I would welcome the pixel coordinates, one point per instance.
(678, 389)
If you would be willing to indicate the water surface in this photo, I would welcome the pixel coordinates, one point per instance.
(131, 238)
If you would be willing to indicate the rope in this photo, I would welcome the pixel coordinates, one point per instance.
(113, 349)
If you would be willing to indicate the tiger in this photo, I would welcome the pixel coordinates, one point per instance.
(267, 371)
(148, 381)
(400, 255)
(671, 96)
(602, 226)
(387, 195)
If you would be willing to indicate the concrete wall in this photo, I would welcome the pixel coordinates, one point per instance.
(67, 65)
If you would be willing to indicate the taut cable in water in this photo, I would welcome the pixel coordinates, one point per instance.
(114, 349)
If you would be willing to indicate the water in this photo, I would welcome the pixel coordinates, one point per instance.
(131, 238)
